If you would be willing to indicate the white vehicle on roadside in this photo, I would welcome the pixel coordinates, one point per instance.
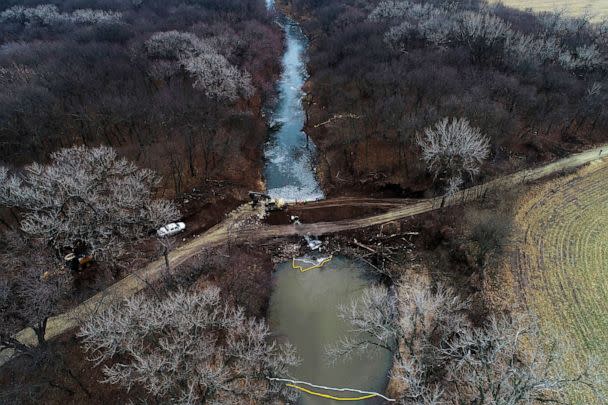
(171, 229)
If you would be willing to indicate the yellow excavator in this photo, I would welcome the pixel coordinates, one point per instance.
(79, 262)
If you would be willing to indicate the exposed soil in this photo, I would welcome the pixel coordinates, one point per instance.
(321, 214)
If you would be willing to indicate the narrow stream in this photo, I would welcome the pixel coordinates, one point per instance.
(304, 305)
(290, 155)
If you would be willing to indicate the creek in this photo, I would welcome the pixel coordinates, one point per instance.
(304, 305)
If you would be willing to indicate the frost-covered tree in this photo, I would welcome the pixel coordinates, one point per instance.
(175, 45)
(586, 57)
(188, 348)
(526, 51)
(559, 25)
(89, 16)
(453, 148)
(87, 196)
(573, 43)
(213, 74)
(425, 23)
(420, 21)
(389, 9)
(481, 32)
(217, 78)
(48, 14)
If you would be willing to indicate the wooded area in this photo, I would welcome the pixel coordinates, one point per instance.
(533, 84)
(177, 86)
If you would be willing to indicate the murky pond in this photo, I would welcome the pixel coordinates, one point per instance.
(304, 310)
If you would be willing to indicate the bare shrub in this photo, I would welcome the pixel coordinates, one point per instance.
(188, 348)
(489, 231)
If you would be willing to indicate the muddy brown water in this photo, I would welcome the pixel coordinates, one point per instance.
(304, 311)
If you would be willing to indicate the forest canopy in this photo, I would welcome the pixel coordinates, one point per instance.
(176, 85)
(534, 83)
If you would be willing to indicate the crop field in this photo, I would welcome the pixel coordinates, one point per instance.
(597, 8)
(562, 263)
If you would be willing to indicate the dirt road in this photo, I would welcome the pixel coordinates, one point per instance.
(239, 227)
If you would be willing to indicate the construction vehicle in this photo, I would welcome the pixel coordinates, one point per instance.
(275, 204)
(271, 204)
(79, 262)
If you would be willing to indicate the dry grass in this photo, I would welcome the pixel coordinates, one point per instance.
(561, 264)
(596, 8)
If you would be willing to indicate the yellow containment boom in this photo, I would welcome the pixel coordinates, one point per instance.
(298, 385)
(315, 265)
(318, 394)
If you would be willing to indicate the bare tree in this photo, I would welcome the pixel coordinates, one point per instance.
(48, 14)
(217, 78)
(441, 357)
(188, 348)
(505, 363)
(453, 148)
(86, 196)
(381, 318)
(374, 322)
(412, 317)
(213, 74)
(175, 45)
(32, 288)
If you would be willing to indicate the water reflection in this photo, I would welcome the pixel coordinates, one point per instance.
(303, 309)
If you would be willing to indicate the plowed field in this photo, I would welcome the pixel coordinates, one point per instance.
(562, 264)
(596, 8)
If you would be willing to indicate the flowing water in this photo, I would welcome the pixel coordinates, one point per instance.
(290, 155)
(304, 305)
